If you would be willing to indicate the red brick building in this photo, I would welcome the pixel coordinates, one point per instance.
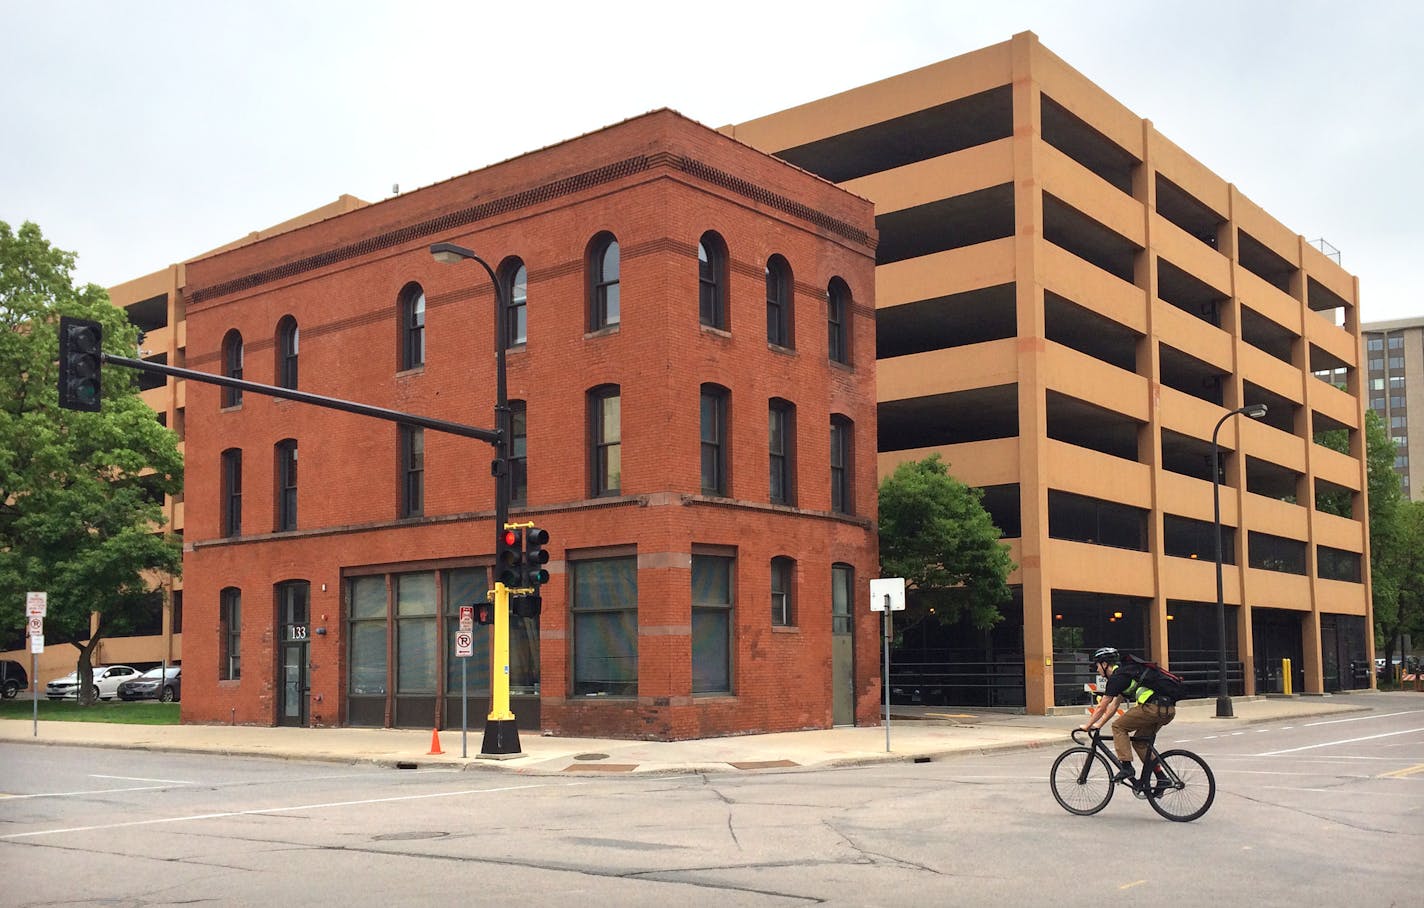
(691, 362)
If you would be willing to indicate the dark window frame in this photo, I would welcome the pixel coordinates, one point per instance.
(412, 470)
(842, 598)
(514, 281)
(605, 274)
(715, 453)
(839, 301)
(231, 492)
(230, 633)
(605, 614)
(412, 327)
(782, 463)
(712, 281)
(518, 452)
(232, 359)
(780, 315)
(842, 464)
(285, 474)
(706, 682)
(602, 448)
(783, 591)
(288, 347)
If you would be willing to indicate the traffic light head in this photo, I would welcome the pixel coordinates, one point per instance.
(81, 351)
(484, 613)
(535, 557)
(509, 559)
(527, 606)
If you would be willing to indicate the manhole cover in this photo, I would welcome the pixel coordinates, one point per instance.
(590, 756)
(408, 836)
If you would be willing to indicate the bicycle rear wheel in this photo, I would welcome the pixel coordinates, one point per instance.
(1192, 789)
(1081, 781)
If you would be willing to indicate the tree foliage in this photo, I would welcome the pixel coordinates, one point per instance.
(935, 533)
(80, 493)
(1386, 525)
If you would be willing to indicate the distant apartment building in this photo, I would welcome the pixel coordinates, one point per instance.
(1067, 303)
(1394, 352)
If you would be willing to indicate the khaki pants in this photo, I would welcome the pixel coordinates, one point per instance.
(1141, 722)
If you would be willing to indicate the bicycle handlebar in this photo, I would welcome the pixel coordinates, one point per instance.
(1094, 733)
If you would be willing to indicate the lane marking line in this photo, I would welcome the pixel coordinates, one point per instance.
(1407, 712)
(139, 779)
(1130, 885)
(258, 811)
(1388, 734)
(1401, 773)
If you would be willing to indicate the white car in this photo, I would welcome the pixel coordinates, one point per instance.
(107, 679)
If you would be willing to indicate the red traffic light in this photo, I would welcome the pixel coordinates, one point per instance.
(510, 537)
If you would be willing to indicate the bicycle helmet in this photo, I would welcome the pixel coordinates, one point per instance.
(1106, 654)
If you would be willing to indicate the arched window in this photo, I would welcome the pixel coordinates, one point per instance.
(515, 280)
(778, 303)
(604, 265)
(412, 327)
(232, 366)
(287, 352)
(712, 281)
(838, 302)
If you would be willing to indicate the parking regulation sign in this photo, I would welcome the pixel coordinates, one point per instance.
(465, 643)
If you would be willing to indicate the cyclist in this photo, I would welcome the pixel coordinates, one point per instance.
(1140, 724)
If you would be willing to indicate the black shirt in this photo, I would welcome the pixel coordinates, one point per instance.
(1122, 679)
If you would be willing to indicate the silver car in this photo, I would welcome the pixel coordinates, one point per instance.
(107, 679)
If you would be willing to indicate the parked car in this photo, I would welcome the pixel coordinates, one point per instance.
(107, 679)
(146, 686)
(12, 678)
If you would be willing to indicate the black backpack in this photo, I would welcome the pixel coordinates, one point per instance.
(1162, 682)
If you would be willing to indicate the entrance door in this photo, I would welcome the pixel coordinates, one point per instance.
(293, 707)
(842, 646)
(293, 630)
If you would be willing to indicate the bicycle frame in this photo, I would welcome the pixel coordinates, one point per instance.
(1153, 764)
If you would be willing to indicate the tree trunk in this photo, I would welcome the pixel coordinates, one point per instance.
(85, 693)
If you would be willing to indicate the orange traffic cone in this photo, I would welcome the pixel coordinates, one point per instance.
(435, 742)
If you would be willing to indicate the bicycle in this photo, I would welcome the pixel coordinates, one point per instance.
(1181, 786)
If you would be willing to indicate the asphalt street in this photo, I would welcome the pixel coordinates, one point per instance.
(1316, 811)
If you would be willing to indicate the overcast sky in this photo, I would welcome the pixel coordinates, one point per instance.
(139, 134)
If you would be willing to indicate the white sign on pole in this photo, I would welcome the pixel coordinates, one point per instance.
(467, 617)
(464, 643)
(36, 604)
(37, 644)
(887, 591)
(36, 626)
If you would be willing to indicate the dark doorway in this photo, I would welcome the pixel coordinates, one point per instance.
(1276, 635)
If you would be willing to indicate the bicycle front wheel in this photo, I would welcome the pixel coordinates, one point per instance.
(1189, 789)
(1081, 781)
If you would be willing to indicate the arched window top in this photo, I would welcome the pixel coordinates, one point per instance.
(712, 280)
(514, 283)
(412, 326)
(287, 348)
(232, 366)
(605, 266)
(779, 317)
(838, 306)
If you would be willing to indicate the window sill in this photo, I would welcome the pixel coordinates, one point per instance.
(844, 367)
(785, 629)
(715, 331)
(413, 370)
(231, 408)
(777, 348)
(602, 332)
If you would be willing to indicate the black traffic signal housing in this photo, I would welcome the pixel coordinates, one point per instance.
(528, 606)
(509, 560)
(535, 557)
(484, 613)
(81, 355)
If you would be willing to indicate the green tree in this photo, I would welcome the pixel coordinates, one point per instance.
(1402, 565)
(1386, 526)
(935, 533)
(80, 493)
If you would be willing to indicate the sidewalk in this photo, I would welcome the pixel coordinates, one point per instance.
(915, 732)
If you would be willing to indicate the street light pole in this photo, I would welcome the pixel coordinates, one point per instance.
(1223, 696)
(501, 733)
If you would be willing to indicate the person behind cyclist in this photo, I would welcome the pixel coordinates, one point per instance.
(1136, 728)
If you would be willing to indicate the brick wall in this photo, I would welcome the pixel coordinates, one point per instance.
(341, 279)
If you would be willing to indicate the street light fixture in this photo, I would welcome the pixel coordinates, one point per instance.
(501, 732)
(1223, 696)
